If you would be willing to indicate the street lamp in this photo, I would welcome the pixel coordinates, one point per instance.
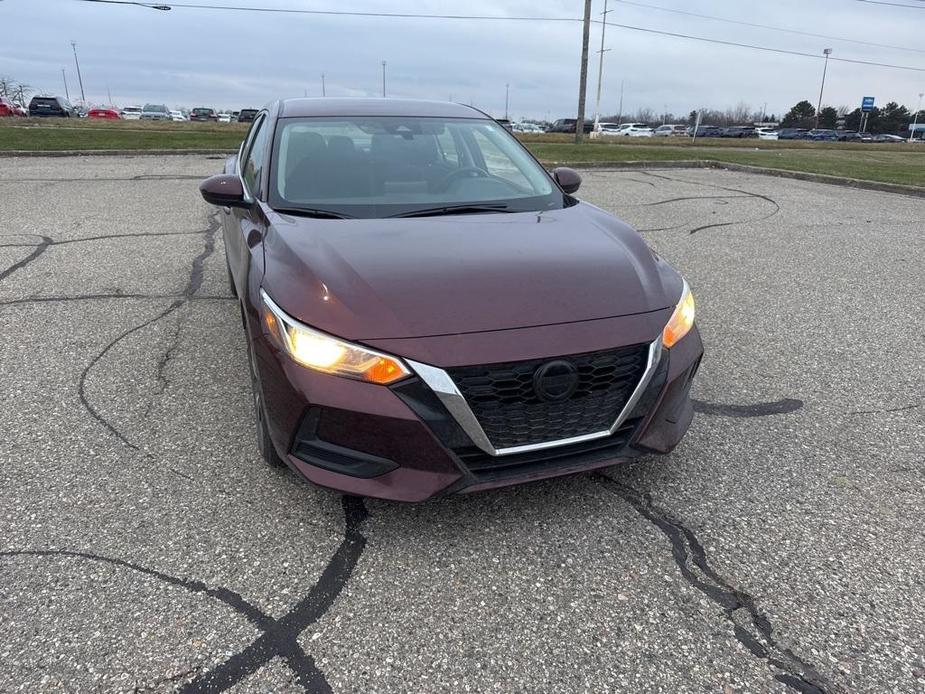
(600, 71)
(383, 79)
(83, 98)
(915, 121)
(826, 52)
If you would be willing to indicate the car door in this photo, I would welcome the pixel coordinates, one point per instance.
(243, 226)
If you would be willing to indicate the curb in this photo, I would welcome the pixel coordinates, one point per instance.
(113, 152)
(898, 188)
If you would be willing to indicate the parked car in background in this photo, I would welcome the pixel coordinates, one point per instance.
(675, 130)
(247, 115)
(505, 123)
(177, 115)
(766, 133)
(821, 135)
(791, 133)
(8, 108)
(224, 117)
(630, 130)
(739, 131)
(708, 131)
(527, 128)
(567, 125)
(42, 106)
(131, 112)
(885, 137)
(155, 112)
(203, 114)
(104, 113)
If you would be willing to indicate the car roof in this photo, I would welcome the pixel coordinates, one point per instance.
(303, 107)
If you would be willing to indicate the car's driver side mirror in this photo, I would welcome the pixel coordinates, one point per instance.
(224, 190)
(568, 179)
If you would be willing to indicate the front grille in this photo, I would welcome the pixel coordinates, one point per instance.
(503, 398)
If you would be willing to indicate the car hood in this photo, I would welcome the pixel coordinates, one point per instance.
(427, 276)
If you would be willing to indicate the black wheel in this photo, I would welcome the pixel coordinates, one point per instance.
(264, 442)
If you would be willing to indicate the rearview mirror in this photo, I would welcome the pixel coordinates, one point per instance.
(568, 179)
(224, 190)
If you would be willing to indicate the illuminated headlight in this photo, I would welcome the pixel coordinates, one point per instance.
(682, 320)
(322, 352)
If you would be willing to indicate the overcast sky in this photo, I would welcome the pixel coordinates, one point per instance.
(231, 59)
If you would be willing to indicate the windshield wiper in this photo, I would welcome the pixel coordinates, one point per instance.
(454, 209)
(312, 212)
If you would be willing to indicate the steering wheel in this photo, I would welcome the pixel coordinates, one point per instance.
(466, 171)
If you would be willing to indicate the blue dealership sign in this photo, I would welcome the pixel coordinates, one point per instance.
(867, 104)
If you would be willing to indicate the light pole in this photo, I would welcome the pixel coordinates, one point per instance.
(323, 92)
(67, 94)
(600, 71)
(383, 79)
(915, 121)
(620, 115)
(83, 98)
(507, 99)
(826, 52)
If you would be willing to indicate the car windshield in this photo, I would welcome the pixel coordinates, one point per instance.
(155, 108)
(373, 167)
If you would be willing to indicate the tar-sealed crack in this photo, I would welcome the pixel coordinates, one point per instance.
(192, 286)
(743, 193)
(38, 249)
(279, 637)
(751, 627)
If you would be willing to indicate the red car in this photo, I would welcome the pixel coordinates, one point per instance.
(104, 113)
(8, 108)
(429, 311)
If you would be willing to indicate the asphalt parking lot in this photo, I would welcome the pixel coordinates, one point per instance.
(144, 547)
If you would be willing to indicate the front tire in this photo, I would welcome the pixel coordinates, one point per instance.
(264, 442)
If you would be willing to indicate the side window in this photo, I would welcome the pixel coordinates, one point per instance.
(497, 163)
(255, 158)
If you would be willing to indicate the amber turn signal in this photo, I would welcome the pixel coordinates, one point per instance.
(681, 321)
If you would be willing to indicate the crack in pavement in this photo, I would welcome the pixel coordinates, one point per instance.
(39, 249)
(120, 295)
(110, 179)
(279, 637)
(744, 193)
(760, 409)
(193, 285)
(892, 409)
(751, 627)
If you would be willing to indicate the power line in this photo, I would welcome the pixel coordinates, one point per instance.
(339, 13)
(764, 48)
(766, 26)
(894, 4)
(408, 15)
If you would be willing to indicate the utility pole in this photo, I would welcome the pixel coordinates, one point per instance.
(583, 78)
(383, 79)
(323, 92)
(109, 95)
(620, 115)
(915, 121)
(67, 94)
(507, 99)
(600, 71)
(826, 52)
(83, 98)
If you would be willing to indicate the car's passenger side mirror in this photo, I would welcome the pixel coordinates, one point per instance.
(568, 179)
(224, 190)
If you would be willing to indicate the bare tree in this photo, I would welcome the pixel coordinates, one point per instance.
(17, 92)
(645, 115)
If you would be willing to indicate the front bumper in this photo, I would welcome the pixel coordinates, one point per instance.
(401, 443)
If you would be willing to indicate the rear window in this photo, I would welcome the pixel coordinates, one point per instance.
(45, 101)
(202, 110)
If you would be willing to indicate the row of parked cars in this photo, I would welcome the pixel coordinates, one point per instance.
(58, 106)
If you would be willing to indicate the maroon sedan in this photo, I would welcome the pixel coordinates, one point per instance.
(429, 311)
(104, 114)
